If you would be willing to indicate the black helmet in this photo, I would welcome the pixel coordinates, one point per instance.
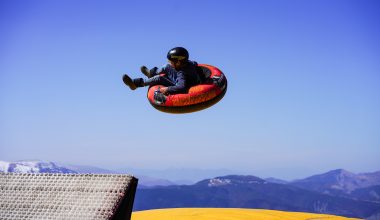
(178, 53)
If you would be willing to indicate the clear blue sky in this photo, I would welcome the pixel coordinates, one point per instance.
(303, 95)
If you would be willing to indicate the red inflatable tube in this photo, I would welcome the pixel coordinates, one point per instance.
(197, 98)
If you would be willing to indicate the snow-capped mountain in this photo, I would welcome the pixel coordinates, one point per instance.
(37, 166)
(32, 167)
(231, 180)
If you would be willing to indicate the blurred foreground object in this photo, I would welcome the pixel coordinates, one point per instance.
(228, 214)
(66, 196)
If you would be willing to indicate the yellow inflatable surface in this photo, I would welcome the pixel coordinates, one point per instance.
(228, 214)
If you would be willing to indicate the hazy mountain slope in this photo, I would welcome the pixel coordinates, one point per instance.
(371, 193)
(52, 167)
(338, 182)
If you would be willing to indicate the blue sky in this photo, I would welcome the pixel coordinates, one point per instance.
(303, 95)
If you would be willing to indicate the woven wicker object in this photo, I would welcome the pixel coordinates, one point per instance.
(66, 196)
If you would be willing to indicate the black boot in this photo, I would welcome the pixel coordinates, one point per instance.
(145, 71)
(128, 81)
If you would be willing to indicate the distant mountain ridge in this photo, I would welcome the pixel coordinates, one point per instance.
(276, 180)
(236, 191)
(335, 182)
(338, 182)
(32, 167)
(230, 180)
(38, 166)
(337, 192)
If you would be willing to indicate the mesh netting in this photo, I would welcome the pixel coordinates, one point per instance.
(61, 196)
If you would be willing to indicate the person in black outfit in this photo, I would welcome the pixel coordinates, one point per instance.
(175, 77)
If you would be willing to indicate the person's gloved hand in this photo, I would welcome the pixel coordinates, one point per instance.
(164, 90)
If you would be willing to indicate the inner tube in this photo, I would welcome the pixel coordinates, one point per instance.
(198, 97)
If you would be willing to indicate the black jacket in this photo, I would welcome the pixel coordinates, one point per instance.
(183, 79)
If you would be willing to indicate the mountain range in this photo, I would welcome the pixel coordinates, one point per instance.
(33, 167)
(36, 166)
(338, 181)
(337, 192)
(252, 192)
